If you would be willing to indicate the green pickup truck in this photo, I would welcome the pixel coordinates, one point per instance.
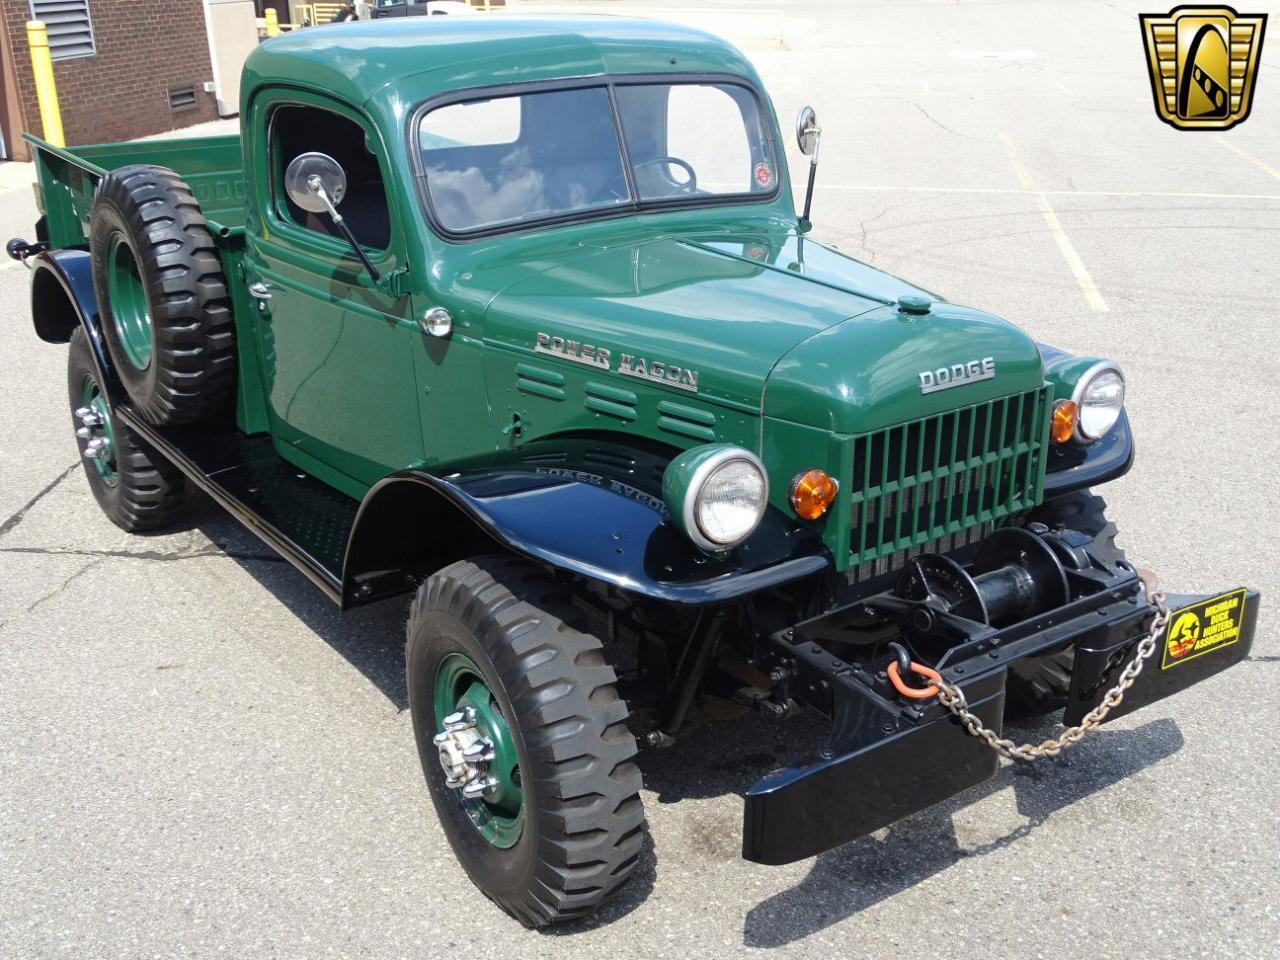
(517, 316)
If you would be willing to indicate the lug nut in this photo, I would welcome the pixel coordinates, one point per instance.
(463, 719)
(478, 788)
(97, 448)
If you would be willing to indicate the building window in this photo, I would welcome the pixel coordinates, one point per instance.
(70, 28)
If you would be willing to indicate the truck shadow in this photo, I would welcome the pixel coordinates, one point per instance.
(849, 879)
(370, 638)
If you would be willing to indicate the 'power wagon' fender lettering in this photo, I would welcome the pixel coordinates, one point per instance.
(629, 365)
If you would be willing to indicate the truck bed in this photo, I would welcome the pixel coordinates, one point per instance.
(68, 176)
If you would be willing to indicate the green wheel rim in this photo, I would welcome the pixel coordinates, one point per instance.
(499, 816)
(128, 298)
(91, 397)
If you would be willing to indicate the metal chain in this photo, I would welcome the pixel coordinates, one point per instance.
(952, 697)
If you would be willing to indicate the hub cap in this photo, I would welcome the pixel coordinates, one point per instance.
(95, 431)
(129, 302)
(477, 753)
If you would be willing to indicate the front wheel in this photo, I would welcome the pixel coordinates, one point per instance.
(523, 740)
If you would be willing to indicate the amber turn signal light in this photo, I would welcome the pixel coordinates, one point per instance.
(812, 492)
(1065, 413)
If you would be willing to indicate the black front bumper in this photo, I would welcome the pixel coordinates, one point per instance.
(884, 761)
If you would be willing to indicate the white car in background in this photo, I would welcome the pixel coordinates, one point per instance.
(382, 9)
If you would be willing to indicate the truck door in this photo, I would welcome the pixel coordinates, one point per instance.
(337, 352)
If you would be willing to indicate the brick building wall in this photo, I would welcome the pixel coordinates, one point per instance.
(144, 47)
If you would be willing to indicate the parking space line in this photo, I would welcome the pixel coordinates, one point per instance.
(1065, 247)
(1265, 167)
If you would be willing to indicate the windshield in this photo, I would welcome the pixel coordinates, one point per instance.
(527, 158)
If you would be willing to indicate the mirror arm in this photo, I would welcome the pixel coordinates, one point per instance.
(317, 187)
(805, 223)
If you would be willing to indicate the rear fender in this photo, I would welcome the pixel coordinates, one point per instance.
(62, 296)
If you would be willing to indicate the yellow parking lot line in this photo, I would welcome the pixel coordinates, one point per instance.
(1265, 167)
(1065, 247)
(1064, 88)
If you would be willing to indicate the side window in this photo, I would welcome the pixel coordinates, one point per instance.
(296, 130)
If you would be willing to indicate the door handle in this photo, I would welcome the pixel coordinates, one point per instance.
(259, 291)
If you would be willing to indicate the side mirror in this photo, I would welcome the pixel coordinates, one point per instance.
(807, 131)
(316, 183)
(808, 138)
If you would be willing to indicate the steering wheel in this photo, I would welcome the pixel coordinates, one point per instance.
(690, 186)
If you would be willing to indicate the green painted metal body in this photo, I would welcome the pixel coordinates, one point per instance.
(800, 353)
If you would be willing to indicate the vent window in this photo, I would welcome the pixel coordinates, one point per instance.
(70, 27)
(182, 98)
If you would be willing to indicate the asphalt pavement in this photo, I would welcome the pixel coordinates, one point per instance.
(199, 757)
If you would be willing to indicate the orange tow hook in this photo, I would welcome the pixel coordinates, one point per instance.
(914, 693)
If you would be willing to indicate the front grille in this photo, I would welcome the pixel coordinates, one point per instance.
(929, 479)
(894, 562)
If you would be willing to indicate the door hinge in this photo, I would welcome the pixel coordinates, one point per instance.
(396, 283)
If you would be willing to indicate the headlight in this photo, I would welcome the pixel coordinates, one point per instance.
(1099, 397)
(717, 494)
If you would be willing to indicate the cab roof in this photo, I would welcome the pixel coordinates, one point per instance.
(444, 53)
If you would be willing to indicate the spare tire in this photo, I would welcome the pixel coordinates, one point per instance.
(162, 296)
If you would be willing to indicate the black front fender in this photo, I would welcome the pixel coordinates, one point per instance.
(1077, 467)
(571, 506)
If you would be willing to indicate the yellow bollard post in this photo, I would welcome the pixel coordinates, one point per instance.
(272, 16)
(46, 86)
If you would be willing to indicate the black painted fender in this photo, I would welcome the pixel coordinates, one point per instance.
(1077, 467)
(583, 506)
(62, 296)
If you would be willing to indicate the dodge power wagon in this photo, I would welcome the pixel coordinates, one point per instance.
(517, 316)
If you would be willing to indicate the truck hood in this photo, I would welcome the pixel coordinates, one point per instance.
(726, 307)
(865, 373)
(737, 310)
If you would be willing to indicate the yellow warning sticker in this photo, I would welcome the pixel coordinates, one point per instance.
(1203, 627)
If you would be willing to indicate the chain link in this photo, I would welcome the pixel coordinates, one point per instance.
(952, 697)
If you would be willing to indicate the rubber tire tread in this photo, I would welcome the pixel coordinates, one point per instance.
(585, 827)
(148, 489)
(192, 374)
(1037, 686)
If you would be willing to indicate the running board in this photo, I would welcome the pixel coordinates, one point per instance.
(305, 521)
